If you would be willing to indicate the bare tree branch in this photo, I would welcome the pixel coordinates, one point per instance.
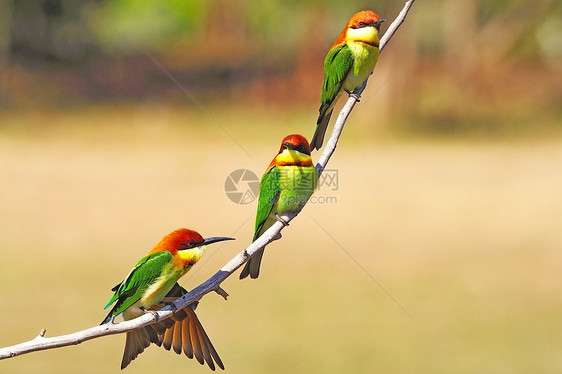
(214, 282)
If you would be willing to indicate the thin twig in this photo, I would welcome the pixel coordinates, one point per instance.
(213, 283)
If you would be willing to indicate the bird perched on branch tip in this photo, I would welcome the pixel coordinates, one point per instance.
(348, 64)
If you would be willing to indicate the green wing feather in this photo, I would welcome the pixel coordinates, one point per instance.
(145, 272)
(269, 194)
(337, 64)
(270, 188)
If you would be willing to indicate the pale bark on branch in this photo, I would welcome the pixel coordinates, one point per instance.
(214, 282)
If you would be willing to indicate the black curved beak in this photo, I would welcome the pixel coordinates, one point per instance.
(214, 239)
(378, 22)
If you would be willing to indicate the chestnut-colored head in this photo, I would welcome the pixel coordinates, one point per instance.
(179, 240)
(363, 26)
(365, 18)
(294, 150)
(295, 142)
(184, 239)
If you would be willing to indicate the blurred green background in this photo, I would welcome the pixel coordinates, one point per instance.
(121, 120)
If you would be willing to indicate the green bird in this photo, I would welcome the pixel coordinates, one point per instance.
(350, 61)
(152, 282)
(285, 187)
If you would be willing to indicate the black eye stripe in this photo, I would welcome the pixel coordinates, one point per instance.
(302, 149)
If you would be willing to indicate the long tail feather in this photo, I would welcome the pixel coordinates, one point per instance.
(209, 350)
(152, 334)
(252, 267)
(186, 340)
(203, 339)
(321, 127)
(168, 338)
(176, 341)
(195, 343)
(246, 270)
(135, 343)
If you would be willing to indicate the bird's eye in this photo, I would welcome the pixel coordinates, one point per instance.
(361, 24)
(189, 244)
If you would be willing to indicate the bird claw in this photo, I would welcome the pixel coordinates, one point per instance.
(282, 220)
(153, 312)
(171, 305)
(355, 96)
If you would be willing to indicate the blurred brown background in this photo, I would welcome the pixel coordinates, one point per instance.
(121, 120)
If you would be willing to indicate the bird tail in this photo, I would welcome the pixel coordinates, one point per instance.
(188, 335)
(252, 267)
(135, 344)
(182, 331)
(321, 126)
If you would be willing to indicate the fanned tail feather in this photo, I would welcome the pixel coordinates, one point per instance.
(195, 342)
(135, 343)
(176, 340)
(188, 335)
(183, 332)
(186, 339)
